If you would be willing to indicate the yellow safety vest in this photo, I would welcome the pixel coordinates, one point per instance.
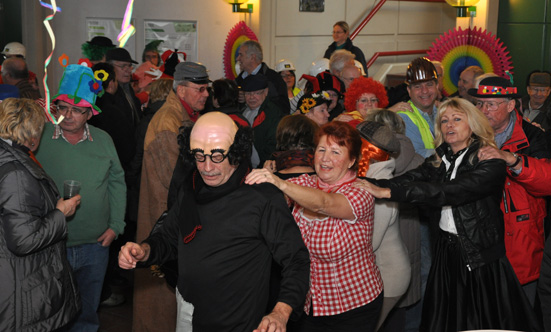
(422, 125)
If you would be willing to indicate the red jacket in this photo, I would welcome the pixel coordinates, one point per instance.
(523, 207)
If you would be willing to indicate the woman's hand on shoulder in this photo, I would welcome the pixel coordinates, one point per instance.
(262, 175)
(344, 118)
(374, 190)
(69, 206)
(401, 107)
(270, 165)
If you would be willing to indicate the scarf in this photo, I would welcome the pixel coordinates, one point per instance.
(27, 151)
(197, 192)
(451, 158)
(292, 158)
(348, 178)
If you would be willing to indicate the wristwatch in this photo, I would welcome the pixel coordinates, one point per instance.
(518, 159)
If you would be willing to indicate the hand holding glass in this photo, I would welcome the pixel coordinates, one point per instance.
(70, 188)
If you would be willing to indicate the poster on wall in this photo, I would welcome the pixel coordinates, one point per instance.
(311, 5)
(110, 28)
(181, 35)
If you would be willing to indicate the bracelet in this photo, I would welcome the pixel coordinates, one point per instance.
(516, 162)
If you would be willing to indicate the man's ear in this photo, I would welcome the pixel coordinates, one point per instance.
(511, 105)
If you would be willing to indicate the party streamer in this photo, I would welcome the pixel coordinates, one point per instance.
(43, 4)
(49, 58)
(127, 29)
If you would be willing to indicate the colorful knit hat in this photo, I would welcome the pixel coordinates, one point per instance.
(79, 87)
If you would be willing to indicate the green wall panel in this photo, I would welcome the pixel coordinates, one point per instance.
(547, 49)
(522, 11)
(524, 43)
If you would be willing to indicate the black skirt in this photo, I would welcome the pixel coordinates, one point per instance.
(488, 297)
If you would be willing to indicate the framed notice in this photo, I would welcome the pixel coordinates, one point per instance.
(311, 5)
(180, 35)
(110, 28)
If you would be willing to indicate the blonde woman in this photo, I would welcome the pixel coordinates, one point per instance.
(471, 284)
(38, 291)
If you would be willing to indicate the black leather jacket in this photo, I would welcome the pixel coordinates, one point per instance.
(37, 289)
(474, 194)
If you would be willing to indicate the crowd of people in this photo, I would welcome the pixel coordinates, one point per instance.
(328, 202)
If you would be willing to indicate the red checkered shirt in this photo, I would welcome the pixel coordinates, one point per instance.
(343, 274)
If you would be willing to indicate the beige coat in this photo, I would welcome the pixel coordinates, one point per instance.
(154, 300)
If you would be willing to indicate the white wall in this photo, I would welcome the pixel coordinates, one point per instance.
(303, 37)
(283, 31)
(214, 17)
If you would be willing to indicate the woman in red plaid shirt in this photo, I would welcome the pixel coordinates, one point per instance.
(335, 218)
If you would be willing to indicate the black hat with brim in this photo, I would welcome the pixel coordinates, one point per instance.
(255, 83)
(101, 41)
(495, 87)
(119, 54)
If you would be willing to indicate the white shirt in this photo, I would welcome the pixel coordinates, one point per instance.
(447, 222)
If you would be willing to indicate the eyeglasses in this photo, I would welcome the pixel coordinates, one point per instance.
(254, 93)
(287, 76)
(75, 111)
(216, 157)
(368, 100)
(124, 66)
(491, 105)
(539, 90)
(201, 89)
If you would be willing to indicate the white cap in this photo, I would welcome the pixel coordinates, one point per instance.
(284, 65)
(14, 48)
(318, 66)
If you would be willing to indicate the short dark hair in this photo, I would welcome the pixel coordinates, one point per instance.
(296, 132)
(226, 92)
(239, 152)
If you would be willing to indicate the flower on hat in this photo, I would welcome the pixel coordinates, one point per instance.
(307, 104)
(95, 86)
(101, 75)
(322, 94)
(63, 60)
(85, 63)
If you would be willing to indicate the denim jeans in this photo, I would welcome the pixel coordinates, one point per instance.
(89, 262)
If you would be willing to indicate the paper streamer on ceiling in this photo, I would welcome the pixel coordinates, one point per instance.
(127, 29)
(49, 58)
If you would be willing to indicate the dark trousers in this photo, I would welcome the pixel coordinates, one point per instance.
(359, 319)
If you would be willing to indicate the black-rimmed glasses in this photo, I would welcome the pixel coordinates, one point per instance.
(216, 156)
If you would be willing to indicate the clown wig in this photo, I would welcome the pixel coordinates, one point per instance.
(363, 85)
